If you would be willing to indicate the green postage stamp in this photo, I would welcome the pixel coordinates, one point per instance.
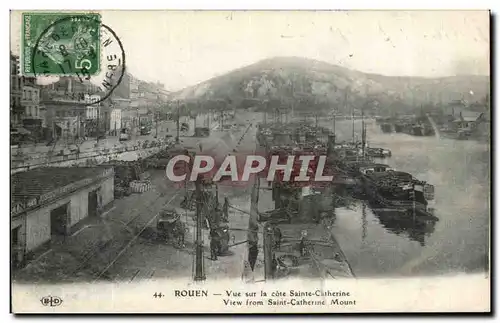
(57, 44)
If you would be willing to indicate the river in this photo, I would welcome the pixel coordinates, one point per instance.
(377, 246)
(458, 242)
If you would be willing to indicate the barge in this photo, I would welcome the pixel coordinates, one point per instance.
(298, 241)
(388, 188)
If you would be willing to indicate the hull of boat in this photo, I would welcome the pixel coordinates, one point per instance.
(322, 256)
(398, 128)
(386, 128)
(400, 205)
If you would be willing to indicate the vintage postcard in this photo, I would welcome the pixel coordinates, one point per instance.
(250, 161)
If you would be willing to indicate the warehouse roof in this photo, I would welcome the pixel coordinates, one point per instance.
(34, 183)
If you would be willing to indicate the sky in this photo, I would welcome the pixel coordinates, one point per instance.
(183, 48)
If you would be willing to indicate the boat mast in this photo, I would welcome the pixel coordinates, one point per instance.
(177, 121)
(334, 122)
(352, 113)
(363, 132)
(414, 211)
(293, 100)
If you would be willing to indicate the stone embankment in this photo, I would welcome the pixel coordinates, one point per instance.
(72, 157)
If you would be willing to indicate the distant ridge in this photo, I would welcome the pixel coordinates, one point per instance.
(323, 85)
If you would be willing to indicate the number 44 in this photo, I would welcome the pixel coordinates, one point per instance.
(84, 63)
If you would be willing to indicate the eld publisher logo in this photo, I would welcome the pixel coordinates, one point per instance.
(51, 301)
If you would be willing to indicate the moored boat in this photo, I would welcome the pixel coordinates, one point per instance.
(378, 152)
(398, 127)
(386, 127)
(395, 189)
(417, 130)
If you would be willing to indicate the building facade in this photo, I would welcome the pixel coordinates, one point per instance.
(49, 203)
(65, 119)
(24, 99)
(16, 86)
(30, 100)
(115, 121)
(71, 112)
(92, 112)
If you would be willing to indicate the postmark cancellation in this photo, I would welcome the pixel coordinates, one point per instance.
(55, 44)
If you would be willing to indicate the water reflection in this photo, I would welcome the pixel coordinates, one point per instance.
(388, 244)
(405, 224)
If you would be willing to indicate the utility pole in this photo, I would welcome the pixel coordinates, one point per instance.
(268, 252)
(78, 126)
(414, 210)
(199, 270)
(364, 223)
(363, 133)
(98, 127)
(138, 118)
(334, 123)
(221, 120)
(352, 117)
(157, 117)
(316, 120)
(178, 119)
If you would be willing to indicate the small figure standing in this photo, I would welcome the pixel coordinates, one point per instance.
(184, 202)
(225, 210)
(180, 233)
(277, 238)
(214, 247)
(303, 244)
(247, 272)
(274, 266)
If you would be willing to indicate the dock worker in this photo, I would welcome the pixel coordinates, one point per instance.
(214, 244)
(277, 237)
(274, 266)
(303, 243)
(225, 210)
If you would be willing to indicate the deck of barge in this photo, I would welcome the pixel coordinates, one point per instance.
(324, 258)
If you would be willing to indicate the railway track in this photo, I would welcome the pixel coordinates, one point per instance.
(97, 264)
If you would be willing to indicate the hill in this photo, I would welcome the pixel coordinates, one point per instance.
(310, 83)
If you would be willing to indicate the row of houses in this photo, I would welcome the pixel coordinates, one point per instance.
(65, 109)
(24, 97)
(48, 204)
